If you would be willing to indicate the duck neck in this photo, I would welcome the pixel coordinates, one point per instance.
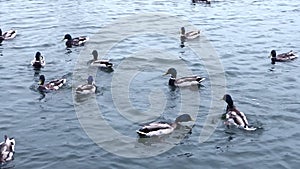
(172, 81)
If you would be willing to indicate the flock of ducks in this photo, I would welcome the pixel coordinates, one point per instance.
(232, 116)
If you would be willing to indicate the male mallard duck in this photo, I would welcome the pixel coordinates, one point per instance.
(282, 57)
(162, 128)
(38, 61)
(78, 41)
(184, 81)
(206, 1)
(52, 85)
(88, 88)
(100, 63)
(7, 148)
(9, 34)
(189, 35)
(234, 116)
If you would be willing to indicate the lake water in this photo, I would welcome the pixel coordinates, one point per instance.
(48, 130)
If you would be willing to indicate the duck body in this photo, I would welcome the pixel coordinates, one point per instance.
(7, 148)
(88, 88)
(184, 81)
(52, 85)
(99, 62)
(234, 116)
(162, 128)
(205, 1)
(38, 61)
(283, 57)
(11, 34)
(189, 35)
(78, 41)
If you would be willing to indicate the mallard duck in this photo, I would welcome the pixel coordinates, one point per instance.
(100, 63)
(7, 148)
(282, 57)
(206, 1)
(162, 128)
(38, 61)
(52, 85)
(234, 116)
(9, 34)
(189, 35)
(78, 41)
(88, 88)
(184, 81)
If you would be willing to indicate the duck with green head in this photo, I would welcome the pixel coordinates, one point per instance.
(100, 62)
(162, 128)
(234, 116)
(88, 88)
(52, 85)
(283, 57)
(78, 41)
(38, 61)
(183, 81)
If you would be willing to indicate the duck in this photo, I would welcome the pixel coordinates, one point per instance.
(184, 81)
(206, 1)
(38, 61)
(7, 148)
(283, 57)
(99, 62)
(189, 35)
(52, 85)
(78, 41)
(234, 116)
(10, 34)
(162, 128)
(88, 88)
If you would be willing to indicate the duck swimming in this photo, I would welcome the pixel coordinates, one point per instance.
(9, 34)
(100, 63)
(38, 61)
(282, 57)
(206, 1)
(189, 35)
(78, 41)
(162, 128)
(184, 81)
(234, 116)
(88, 88)
(52, 85)
(7, 148)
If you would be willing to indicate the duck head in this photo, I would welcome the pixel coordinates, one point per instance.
(182, 31)
(0, 32)
(95, 54)
(68, 37)
(38, 56)
(184, 118)
(172, 72)
(273, 56)
(42, 80)
(90, 80)
(227, 98)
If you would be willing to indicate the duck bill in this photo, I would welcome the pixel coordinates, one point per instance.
(269, 56)
(165, 74)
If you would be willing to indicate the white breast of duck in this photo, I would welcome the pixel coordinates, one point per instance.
(7, 149)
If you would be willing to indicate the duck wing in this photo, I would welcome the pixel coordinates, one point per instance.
(86, 89)
(286, 56)
(155, 129)
(79, 40)
(192, 34)
(189, 81)
(10, 34)
(56, 84)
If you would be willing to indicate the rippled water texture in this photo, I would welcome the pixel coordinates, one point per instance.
(48, 132)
